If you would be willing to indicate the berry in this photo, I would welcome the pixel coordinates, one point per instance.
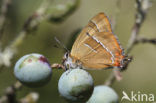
(33, 70)
(103, 94)
(76, 85)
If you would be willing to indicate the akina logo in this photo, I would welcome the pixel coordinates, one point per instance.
(137, 97)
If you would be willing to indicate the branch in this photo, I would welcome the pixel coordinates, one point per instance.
(30, 98)
(57, 66)
(142, 8)
(146, 40)
(10, 93)
(110, 80)
(31, 25)
(67, 10)
(4, 8)
(7, 54)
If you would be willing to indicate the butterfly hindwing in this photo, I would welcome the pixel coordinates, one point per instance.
(96, 46)
(106, 52)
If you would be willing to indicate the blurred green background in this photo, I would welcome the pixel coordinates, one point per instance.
(140, 75)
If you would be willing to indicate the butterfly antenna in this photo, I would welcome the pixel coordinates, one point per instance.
(61, 44)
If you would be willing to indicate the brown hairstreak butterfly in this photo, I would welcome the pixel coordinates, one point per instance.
(96, 47)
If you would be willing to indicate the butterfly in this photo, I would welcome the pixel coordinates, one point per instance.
(96, 47)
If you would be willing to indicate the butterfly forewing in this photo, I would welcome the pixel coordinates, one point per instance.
(97, 47)
(111, 45)
(101, 22)
(98, 23)
(96, 56)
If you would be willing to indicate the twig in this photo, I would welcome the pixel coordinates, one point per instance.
(57, 66)
(4, 8)
(30, 25)
(110, 80)
(142, 8)
(7, 54)
(30, 98)
(67, 9)
(10, 93)
(146, 40)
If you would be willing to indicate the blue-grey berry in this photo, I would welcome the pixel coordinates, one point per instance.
(33, 70)
(103, 94)
(76, 85)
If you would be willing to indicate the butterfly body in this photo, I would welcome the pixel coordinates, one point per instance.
(96, 47)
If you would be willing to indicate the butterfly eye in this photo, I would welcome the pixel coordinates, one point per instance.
(66, 55)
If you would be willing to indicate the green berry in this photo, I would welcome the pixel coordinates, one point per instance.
(33, 70)
(76, 85)
(103, 94)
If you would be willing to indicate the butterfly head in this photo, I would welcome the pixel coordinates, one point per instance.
(68, 61)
